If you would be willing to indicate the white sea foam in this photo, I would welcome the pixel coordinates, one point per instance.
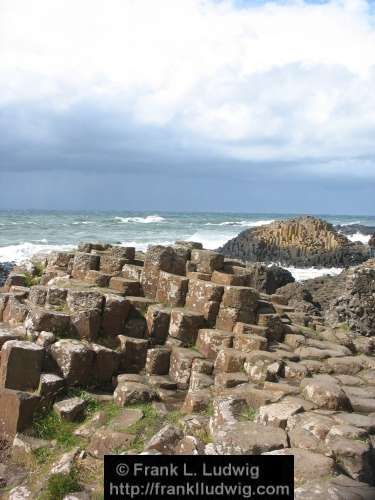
(24, 251)
(349, 223)
(363, 238)
(150, 219)
(243, 223)
(210, 240)
(301, 274)
(84, 222)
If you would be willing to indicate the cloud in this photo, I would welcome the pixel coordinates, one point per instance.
(285, 86)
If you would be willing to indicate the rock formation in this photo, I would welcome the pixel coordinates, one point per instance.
(347, 298)
(180, 351)
(303, 242)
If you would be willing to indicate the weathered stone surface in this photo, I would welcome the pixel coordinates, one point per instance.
(132, 272)
(308, 430)
(366, 422)
(14, 279)
(207, 261)
(248, 438)
(204, 297)
(228, 380)
(106, 363)
(229, 360)
(181, 364)
(325, 394)
(268, 279)
(50, 385)
(200, 381)
(277, 414)
(196, 401)
(37, 295)
(165, 440)
(172, 289)
(21, 365)
(83, 300)
(16, 411)
(56, 296)
(226, 411)
(159, 258)
(346, 431)
(74, 360)
(59, 259)
(125, 286)
(355, 457)
(228, 317)
(275, 328)
(133, 392)
(123, 252)
(111, 264)
(263, 366)
(98, 278)
(133, 354)
(158, 319)
(86, 324)
(185, 324)
(45, 339)
(222, 278)
(115, 314)
(249, 342)
(105, 442)
(84, 262)
(70, 409)
(15, 311)
(246, 328)
(202, 366)
(158, 361)
(56, 322)
(189, 445)
(211, 341)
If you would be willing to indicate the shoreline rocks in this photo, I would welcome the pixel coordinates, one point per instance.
(218, 356)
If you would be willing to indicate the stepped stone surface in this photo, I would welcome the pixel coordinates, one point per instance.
(303, 241)
(218, 357)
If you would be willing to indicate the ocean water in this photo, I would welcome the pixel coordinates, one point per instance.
(24, 233)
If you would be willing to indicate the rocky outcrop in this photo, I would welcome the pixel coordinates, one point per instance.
(347, 298)
(303, 242)
(356, 305)
(213, 363)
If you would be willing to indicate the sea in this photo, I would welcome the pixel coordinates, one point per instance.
(25, 233)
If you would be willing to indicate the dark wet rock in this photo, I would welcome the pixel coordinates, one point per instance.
(303, 242)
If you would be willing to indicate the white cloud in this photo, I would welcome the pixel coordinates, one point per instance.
(291, 81)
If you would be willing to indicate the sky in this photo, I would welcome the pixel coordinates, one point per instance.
(201, 105)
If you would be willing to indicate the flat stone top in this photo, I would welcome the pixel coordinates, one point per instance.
(69, 404)
(22, 344)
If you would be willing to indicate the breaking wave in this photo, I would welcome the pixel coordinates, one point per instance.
(243, 223)
(24, 251)
(150, 219)
(363, 238)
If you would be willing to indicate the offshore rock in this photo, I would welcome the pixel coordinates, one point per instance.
(303, 242)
